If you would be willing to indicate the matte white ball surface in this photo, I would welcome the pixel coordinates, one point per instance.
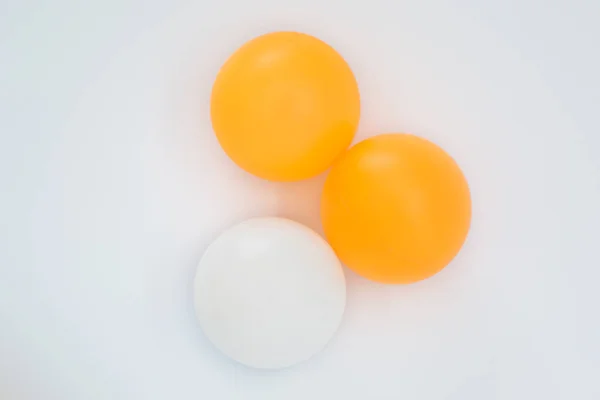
(269, 293)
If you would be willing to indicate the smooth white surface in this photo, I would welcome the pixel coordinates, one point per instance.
(112, 184)
(269, 293)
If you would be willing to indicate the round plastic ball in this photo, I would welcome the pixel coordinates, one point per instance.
(284, 106)
(396, 208)
(269, 293)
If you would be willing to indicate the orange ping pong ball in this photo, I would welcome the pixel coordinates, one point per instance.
(396, 208)
(284, 106)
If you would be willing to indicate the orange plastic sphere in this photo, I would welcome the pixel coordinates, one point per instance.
(284, 106)
(396, 208)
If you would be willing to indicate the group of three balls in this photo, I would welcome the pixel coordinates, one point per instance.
(395, 208)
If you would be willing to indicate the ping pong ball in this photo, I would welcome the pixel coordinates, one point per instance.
(284, 106)
(396, 208)
(269, 293)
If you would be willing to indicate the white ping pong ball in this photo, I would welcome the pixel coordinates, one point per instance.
(269, 293)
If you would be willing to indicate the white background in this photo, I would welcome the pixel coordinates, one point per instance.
(112, 185)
